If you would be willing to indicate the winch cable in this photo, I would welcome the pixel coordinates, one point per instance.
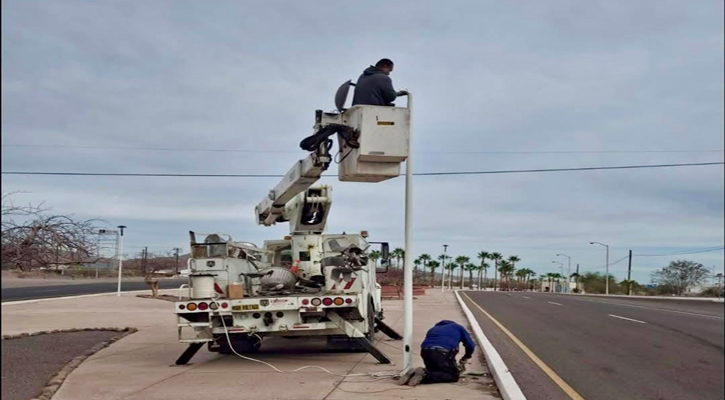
(380, 375)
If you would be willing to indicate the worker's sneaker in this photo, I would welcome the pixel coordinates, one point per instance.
(406, 377)
(417, 378)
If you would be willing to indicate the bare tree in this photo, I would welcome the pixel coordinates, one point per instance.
(680, 275)
(33, 238)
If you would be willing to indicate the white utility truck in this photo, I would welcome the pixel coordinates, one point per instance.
(310, 283)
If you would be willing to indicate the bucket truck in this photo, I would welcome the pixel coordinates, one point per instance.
(310, 283)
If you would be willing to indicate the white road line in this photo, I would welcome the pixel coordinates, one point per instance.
(527, 298)
(551, 302)
(625, 318)
(653, 308)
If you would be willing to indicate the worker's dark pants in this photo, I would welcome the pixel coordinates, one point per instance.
(440, 366)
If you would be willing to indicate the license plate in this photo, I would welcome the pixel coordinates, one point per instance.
(246, 307)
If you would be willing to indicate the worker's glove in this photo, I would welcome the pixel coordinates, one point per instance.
(462, 365)
(401, 93)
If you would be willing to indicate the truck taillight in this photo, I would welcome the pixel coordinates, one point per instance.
(316, 302)
(305, 302)
(339, 301)
(203, 306)
(348, 300)
(191, 306)
(225, 305)
(327, 301)
(213, 306)
(181, 306)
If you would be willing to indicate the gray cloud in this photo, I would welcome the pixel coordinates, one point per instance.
(530, 76)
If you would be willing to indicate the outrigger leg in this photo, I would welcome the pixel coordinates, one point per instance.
(188, 353)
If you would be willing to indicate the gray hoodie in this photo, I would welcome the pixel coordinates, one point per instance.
(375, 88)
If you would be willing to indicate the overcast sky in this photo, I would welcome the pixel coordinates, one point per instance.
(564, 83)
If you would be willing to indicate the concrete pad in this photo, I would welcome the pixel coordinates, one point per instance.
(140, 365)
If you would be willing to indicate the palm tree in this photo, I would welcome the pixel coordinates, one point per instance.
(513, 260)
(506, 270)
(416, 264)
(425, 259)
(529, 274)
(433, 265)
(576, 277)
(399, 254)
(462, 261)
(484, 267)
(496, 257)
(470, 267)
(549, 277)
(482, 255)
(521, 276)
(451, 267)
(375, 256)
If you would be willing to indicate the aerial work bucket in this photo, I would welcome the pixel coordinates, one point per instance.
(383, 143)
(384, 140)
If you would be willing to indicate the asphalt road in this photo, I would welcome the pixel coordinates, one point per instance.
(39, 292)
(608, 348)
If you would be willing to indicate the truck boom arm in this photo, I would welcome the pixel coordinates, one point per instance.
(297, 180)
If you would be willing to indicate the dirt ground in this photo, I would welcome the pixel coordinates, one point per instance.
(30, 362)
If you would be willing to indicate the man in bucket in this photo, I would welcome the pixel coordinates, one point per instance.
(439, 351)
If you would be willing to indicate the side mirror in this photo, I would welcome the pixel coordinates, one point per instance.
(384, 258)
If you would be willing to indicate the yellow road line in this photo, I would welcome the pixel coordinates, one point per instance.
(547, 370)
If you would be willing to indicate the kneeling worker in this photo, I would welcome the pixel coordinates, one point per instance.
(439, 351)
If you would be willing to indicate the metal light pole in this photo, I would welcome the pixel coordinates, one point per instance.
(120, 257)
(568, 271)
(606, 280)
(561, 268)
(443, 276)
(408, 265)
(176, 250)
(450, 279)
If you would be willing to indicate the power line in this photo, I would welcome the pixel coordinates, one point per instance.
(503, 152)
(517, 171)
(705, 250)
(610, 264)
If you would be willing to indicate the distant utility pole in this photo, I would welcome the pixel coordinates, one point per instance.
(144, 257)
(629, 274)
(176, 250)
(443, 275)
(119, 253)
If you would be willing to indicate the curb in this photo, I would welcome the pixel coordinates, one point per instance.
(12, 303)
(505, 381)
(695, 299)
(57, 380)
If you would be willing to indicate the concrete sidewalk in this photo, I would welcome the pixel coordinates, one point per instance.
(140, 365)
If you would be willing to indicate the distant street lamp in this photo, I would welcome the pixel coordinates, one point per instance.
(443, 274)
(568, 270)
(120, 256)
(606, 278)
(561, 267)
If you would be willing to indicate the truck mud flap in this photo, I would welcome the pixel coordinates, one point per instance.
(386, 329)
